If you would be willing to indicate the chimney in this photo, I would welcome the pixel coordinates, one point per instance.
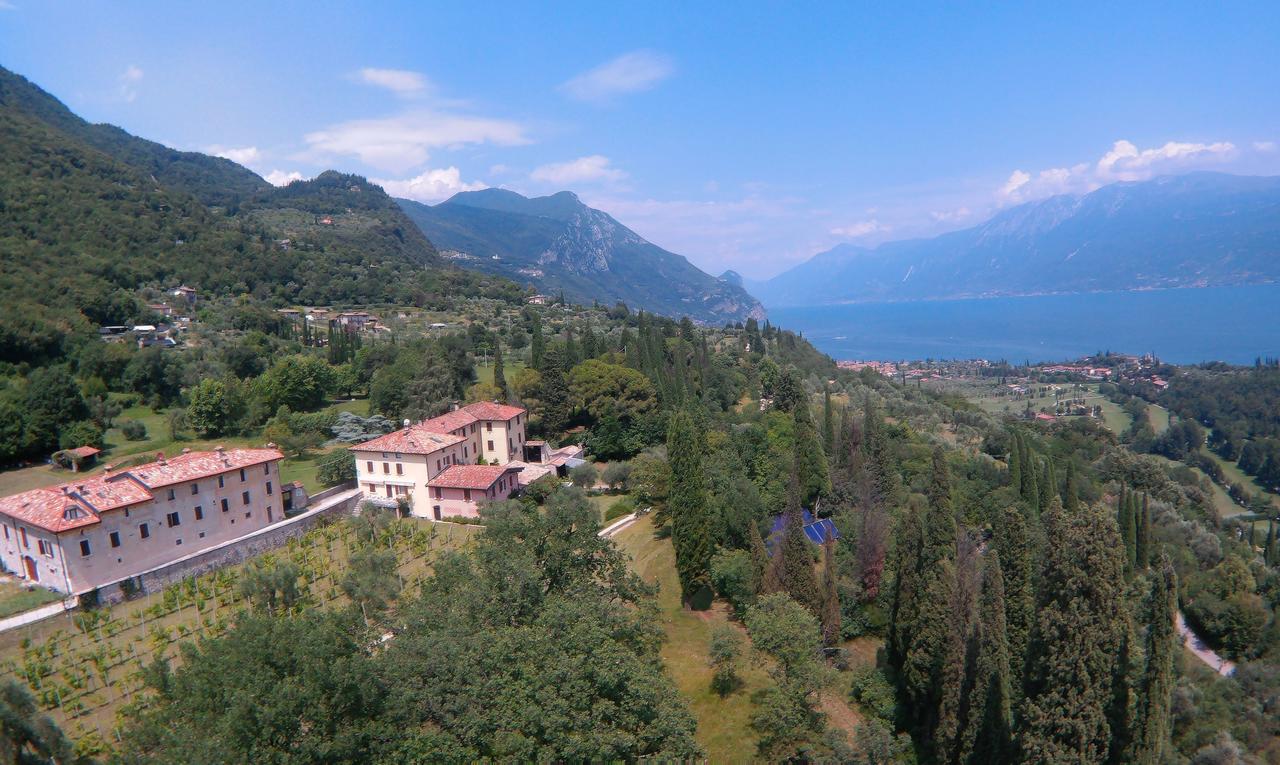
(186, 450)
(271, 445)
(160, 458)
(406, 422)
(218, 448)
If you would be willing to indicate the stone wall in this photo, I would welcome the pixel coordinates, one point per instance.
(341, 500)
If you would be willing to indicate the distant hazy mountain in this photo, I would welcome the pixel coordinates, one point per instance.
(557, 243)
(1194, 230)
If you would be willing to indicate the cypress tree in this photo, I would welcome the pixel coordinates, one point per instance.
(942, 521)
(1030, 494)
(830, 596)
(828, 423)
(988, 734)
(1015, 463)
(1121, 710)
(955, 701)
(810, 463)
(908, 582)
(687, 506)
(554, 391)
(923, 665)
(1142, 537)
(759, 557)
(1070, 498)
(499, 373)
(1045, 486)
(791, 570)
(1014, 546)
(1071, 665)
(1151, 736)
(1128, 528)
(1269, 551)
(571, 355)
(538, 345)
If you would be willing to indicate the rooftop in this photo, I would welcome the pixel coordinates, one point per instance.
(471, 476)
(79, 503)
(415, 439)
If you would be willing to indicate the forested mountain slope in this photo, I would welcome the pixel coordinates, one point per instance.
(89, 214)
(1202, 229)
(557, 243)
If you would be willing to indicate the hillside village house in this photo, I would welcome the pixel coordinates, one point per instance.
(105, 528)
(405, 464)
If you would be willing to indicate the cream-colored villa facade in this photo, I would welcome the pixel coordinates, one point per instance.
(105, 528)
(405, 464)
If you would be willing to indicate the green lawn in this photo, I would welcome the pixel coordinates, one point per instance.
(484, 372)
(1159, 417)
(1233, 474)
(724, 725)
(16, 598)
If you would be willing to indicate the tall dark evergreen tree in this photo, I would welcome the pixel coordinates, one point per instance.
(554, 391)
(1070, 493)
(1128, 528)
(1142, 535)
(1015, 463)
(830, 615)
(1044, 485)
(908, 581)
(499, 373)
(1151, 733)
(988, 734)
(828, 424)
(687, 506)
(791, 570)
(1071, 666)
(810, 461)
(1014, 546)
(538, 345)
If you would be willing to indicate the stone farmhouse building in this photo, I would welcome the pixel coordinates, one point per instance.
(434, 464)
(105, 528)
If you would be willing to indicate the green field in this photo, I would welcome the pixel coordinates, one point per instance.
(1159, 418)
(724, 725)
(1233, 474)
(84, 666)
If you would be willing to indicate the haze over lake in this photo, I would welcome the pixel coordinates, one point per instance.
(1182, 326)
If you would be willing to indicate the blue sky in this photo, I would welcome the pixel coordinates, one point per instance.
(746, 136)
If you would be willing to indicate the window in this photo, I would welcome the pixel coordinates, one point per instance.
(25, 543)
(199, 513)
(466, 494)
(437, 466)
(202, 535)
(464, 453)
(266, 469)
(399, 468)
(173, 519)
(386, 468)
(488, 426)
(388, 489)
(171, 495)
(437, 492)
(143, 531)
(490, 446)
(177, 542)
(244, 497)
(44, 547)
(6, 532)
(115, 538)
(242, 475)
(84, 548)
(224, 504)
(397, 455)
(221, 482)
(269, 489)
(195, 489)
(248, 513)
(369, 466)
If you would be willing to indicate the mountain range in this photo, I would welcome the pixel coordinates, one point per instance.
(558, 244)
(1195, 230)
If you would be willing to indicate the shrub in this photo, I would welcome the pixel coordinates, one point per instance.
(338, 466)
(734, 576)
(874, 693)
(134, 430)
(624, 506)
(542, 488)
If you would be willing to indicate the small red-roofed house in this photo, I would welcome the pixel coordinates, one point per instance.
(459, 490)
(105, 528)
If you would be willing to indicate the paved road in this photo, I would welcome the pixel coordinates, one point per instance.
(1195, 645)
(34, 615)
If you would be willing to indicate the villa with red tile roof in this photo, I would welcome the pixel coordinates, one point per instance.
(405, 463)
(108, 527)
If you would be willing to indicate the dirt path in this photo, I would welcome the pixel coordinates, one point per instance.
(1196, 646)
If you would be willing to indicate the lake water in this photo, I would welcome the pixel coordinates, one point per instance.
(1183, 326)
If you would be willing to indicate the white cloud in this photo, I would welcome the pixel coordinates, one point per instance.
(859, 229)
(405, 142)
(402, 82)
(629, 73)
(129, 83)
(951, 216)
(283, 178)
(594, 168)
(245, 155)
(499, 169)
(1264, 146)
(1124, 162)
(431, 186)
(5, 5)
